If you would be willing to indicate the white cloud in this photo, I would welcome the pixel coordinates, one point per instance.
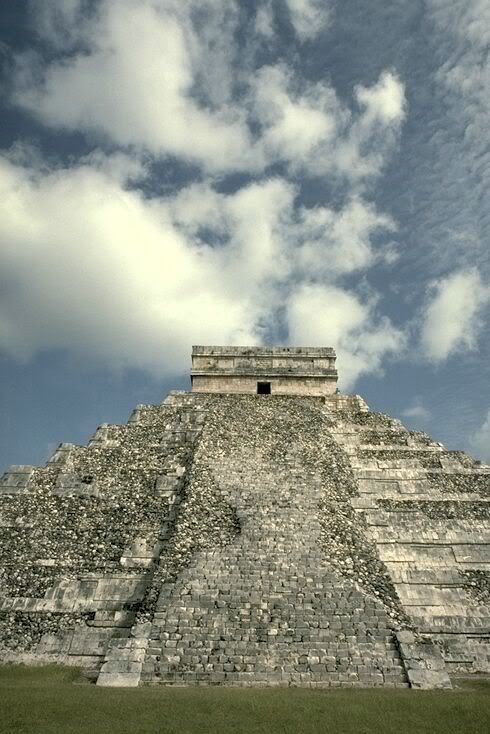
(166, 78)
(264, 20)
(317, 243)
(250, 228)
(480, 440)
(93, 265)
(452, 318)
(320, 315)
(135, 85)
(295, 121)
(416, 410)
(309, 17)
(374, 132)
(338, 242)
(305, 124)
(100, 271)
(363, 149)
(97, 269)
(384, 102)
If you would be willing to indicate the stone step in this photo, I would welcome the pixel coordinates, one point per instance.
(431, 534)
(123, 663)
(406, 571)
(104, 436)
(429, 555)
(16, 479)
(394, 474)
(62, 454)
(454, 619)
(470, 521)
(412, 594)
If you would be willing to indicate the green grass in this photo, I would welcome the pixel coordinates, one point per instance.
(47, 700)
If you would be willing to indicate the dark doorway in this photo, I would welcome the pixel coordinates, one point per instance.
(263, 388)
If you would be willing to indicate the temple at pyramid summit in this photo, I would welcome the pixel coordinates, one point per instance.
(264, 370)
(261, 529)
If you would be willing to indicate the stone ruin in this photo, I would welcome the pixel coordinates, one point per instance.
(231, 536)
(264, 370)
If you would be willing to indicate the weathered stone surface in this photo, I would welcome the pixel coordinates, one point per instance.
(270, 606)
(64, 548)
(423, 662)
(280, 370)
(427, 510)
(250, 540)
(425, 679)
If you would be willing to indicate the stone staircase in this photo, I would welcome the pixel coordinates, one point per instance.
(265, 608)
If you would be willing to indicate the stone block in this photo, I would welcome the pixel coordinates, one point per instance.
(89, 642)
(119, 680)
(120, 588)
(428, 679)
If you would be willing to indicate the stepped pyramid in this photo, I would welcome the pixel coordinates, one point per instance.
(260, 530)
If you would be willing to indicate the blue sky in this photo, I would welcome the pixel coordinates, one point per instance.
(279, 172)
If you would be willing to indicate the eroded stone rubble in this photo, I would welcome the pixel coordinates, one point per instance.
(184, 477)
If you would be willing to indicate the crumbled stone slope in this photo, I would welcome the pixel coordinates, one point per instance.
(427, 509)
(78, 537)
(220, 539)
(295, 594)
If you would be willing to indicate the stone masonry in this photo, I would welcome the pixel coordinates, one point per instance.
(268, 608)
(427, 510)
(79, 537)
(275, 370)
(249, 540)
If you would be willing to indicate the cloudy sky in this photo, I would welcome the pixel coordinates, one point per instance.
(304, 172)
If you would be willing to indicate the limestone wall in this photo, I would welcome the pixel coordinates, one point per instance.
(290, 370)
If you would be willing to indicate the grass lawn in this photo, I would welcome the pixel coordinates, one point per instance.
(49, 701)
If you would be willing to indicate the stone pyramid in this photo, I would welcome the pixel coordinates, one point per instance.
(230, 536)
